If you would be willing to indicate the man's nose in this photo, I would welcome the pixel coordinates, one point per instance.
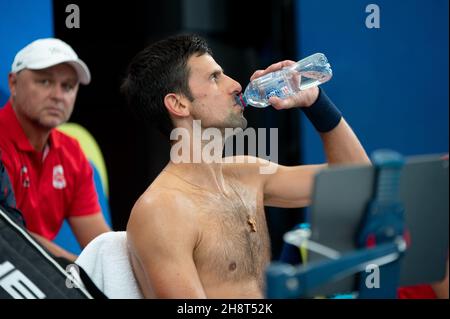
(57, 92)
(236, 87)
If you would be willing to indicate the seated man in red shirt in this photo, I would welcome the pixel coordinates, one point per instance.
(51, 177)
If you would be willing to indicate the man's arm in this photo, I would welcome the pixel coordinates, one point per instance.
(342, 146)
(86, 228)
(292, 186)
(53, 248)
(441, 288)
(162, 238)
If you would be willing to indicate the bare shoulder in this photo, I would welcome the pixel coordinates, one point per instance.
(248, 167)
(155, 206)
(161, 215)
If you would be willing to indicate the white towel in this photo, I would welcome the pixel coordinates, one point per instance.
(106, 260)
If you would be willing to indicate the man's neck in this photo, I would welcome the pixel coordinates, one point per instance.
(199, 167)
(37, 136)
(198, 157)
(202, 175)
(195, 144)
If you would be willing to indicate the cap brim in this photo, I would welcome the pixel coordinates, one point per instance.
(82, 70)
(84, 76)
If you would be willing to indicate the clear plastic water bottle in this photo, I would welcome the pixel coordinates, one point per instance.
(306, 73)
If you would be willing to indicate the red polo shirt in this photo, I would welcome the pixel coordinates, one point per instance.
(48, 188)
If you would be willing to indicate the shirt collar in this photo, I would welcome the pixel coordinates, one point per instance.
(11, 127)
(54, 139)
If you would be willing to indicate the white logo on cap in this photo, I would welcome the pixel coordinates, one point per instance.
(55, 50)
(59, 182)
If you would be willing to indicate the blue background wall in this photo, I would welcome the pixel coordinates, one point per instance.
(391, 83)
(20, 23)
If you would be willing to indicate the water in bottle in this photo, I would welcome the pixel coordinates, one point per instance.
(306, 73)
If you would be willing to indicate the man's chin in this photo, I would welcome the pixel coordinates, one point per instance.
(231, 123)
(244, 123)
(50, 124)
(238, 122)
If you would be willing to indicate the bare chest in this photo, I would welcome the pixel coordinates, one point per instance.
(234, 243)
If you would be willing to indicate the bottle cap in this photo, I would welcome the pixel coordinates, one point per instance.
(240, 100)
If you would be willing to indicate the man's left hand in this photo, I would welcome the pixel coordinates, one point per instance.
(303, 98)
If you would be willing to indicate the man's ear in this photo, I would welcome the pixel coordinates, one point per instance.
(177, 104)
(12, 83)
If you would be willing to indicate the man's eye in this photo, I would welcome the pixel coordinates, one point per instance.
(68, 87)
(44, 82)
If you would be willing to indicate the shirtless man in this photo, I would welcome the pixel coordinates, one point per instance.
(199, 230)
